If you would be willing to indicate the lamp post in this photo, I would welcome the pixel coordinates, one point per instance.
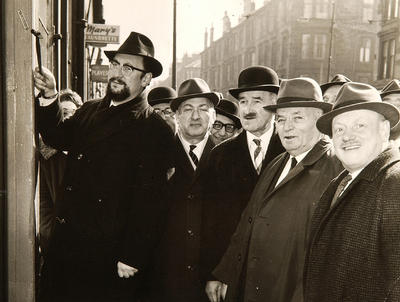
(173, 84)
(331, 41)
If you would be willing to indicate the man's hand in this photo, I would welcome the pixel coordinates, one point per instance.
(125, 271)
(216, 291)
(45, 82)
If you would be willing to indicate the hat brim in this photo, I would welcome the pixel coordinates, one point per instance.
(212, 96)
(313, 104)
(233, 117)
(271, 88)
(160, 101)
(325, 86)
(390, 112)
(383, 94)
(155, 66)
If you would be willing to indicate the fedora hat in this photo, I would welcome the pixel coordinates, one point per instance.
(300, 92)
(392, 87)
(139, 45)
(160, 95)
(229, 109)
(194, 88)
(356, 96)
(256, 78)
(338, 79)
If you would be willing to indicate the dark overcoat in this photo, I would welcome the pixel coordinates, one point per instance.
(113, 204)
(264, 261)
(228, 183)
(177, 274)
(355, 251)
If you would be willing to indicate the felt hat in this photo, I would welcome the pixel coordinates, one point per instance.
(229, 109)
(194, 88)
(138, 44)
(299, 92)
(160, 95)
(338, 79)
(392, 87)
(256, 78)
(356, 96)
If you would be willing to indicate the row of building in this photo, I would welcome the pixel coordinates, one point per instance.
(314, 38)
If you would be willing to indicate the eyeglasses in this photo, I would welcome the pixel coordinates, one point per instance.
(230, 128)
(125, 69)
(166, 111)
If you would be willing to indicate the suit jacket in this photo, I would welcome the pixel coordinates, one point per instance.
(177, 273)
(264, 261)
(229, 180)
(355, 251)
(113, 203)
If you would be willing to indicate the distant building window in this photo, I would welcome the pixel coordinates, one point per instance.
(388, 54)
(319, 46)
(321, 9)
(392, 9)
(305, 46)
(308, 9)
(365, 50)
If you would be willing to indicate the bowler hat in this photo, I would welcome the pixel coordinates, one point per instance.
(392, 87)
(139, 45)
(160, 95)
(299, 92)
(338, 79)
(256, 78)
(194, 88)
(229, 109)
(356, 96)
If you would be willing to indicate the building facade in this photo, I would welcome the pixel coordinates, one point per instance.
(295, 38)
(389, 41)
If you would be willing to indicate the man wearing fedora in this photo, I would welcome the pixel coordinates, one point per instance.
(273, 231)
(235, 165)
(391, 94)
(119, 152)
(177, 270)
(159, 98)
(331, 89)
(227, 124)
(354, 252)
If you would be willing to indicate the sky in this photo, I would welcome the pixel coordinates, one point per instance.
(154, 18)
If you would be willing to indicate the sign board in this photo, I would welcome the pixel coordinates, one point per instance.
(99, 73)
(102, 33)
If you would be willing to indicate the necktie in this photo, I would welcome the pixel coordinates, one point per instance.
(293, 163)
(257, 155)
(342, 185)
(192, 155)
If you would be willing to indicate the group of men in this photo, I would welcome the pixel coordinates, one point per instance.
(282, 195)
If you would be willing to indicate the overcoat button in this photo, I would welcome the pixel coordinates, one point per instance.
(190, 232)
(68, 188)
(80, 156)
(99, 200)
(250, 219)
(190, 196)
(257, 288)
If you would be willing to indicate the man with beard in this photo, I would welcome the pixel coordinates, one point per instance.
(113, 204)
(234, 166)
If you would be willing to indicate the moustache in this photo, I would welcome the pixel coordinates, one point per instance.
(117, 80)
(250, 115)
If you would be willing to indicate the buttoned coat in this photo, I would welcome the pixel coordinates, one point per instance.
(264, 261)
(229, 180)
(113, 203)
(177, 275)
(355, 251)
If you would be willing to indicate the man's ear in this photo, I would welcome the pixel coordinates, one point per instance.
(147, 79)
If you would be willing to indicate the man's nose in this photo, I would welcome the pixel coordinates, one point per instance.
(222, 131)
(288, 125)
(195, 114)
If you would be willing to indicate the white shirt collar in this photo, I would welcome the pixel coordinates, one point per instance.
(198, 150)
